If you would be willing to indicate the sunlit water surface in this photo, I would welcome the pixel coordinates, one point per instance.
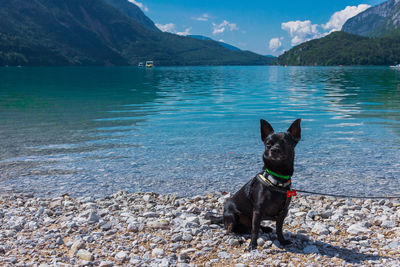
(195, 130)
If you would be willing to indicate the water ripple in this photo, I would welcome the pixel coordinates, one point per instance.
(191, 130)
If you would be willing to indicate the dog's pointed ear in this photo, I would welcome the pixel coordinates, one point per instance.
(266, 129)
(295, 130)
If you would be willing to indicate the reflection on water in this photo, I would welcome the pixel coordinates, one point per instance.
(193, 130)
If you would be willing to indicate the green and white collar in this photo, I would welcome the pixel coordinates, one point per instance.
(269, 178)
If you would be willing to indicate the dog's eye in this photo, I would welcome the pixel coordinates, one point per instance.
(269, 143)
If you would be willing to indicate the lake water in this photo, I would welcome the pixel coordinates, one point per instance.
(195, 130)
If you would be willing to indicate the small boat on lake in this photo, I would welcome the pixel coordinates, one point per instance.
(397, 67)
(149, 64)
(140, 64)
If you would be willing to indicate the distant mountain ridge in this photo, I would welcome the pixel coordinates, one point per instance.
(201, 37)
(376, 21)
(99, 32)
(341, 48)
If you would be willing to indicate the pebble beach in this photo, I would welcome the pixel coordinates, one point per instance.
(148, 229)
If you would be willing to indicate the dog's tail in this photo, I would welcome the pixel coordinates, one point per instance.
(215, 219)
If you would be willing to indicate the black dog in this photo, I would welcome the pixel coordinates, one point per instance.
(266, 196)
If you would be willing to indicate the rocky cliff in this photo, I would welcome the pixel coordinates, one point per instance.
(379, 20)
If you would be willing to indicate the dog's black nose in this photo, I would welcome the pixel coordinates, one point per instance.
(275, 149)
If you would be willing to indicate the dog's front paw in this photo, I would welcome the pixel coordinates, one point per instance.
(252, 246)
(285, 242)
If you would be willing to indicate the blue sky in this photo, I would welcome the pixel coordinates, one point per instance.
(265, 27)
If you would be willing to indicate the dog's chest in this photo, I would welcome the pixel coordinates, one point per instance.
(274, 205)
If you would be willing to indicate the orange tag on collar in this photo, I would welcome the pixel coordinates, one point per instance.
(292, 193)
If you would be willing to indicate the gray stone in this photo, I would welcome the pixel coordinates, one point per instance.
(83, 254)
(12, 260)
(260, 241)
(106, 227)
(325, 214)
(40, 212)
(333, 230)
(136, 262)
(106, 264)
(158, 252)
(60, 241)
(32, 225)
(78, 244)
(388, 224)
(147, 255)
(358, 228)
(253, 255)
(320, 229)
(112, 232)
(93, 217)
(224, 255)
(150, 214)
(187, 251)
(88, 239)
(233, 242)
(394, 245)
(311, 214)
(121, 256)
(160, 224)
(187, 238)
(133, 227)
(337, 216)
(193, 219)
(176, 237)
(267, 243)
(164, 263)
(147, 198)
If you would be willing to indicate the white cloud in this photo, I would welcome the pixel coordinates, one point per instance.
(301, 31)
(203, 17)
(225, 25)
(337, 20)
(186, 32)
(139, 5)
(275, 43)
(169, 27)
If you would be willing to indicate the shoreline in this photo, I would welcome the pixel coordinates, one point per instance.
(144, 229)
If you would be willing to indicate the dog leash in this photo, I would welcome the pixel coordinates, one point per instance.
(346, 196)
(290, 193)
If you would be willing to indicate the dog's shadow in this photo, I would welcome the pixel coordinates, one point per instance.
(300, 241)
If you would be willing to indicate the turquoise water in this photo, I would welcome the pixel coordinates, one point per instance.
(194, 130)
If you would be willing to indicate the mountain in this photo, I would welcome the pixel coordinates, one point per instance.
(201, 37)
(376, 21)
(341, 48)
(133, 12)
(270, 59)
(99, 32)
(370, 38)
